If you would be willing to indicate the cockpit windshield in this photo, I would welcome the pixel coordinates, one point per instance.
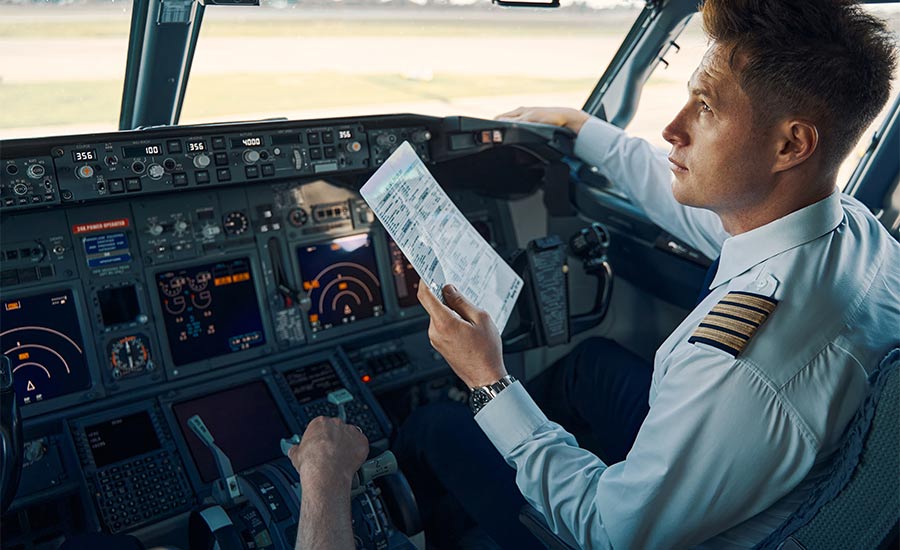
(63, 64)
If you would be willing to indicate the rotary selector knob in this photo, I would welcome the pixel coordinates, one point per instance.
(156, 229)
(20, 189)
(421, 136)
(180, 227)
(36, 171)
(210, 231)
(251, 156)
(386, 140)
(155, 171)
(85, 171)
(201, 160)
(354, 147)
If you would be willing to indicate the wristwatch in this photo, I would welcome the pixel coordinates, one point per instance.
(481, 396)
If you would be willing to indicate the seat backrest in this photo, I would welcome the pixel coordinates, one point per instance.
(858, 504)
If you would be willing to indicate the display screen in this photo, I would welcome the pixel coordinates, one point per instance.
(118, 305)
(244, 421)
(41, 337)
(210, 310)
(142, 150)
(196, 146)
(342, 281)
(107, 250)
(122, 438)
(313, 381)
(254, 141)
(84, 156)
(286, 139)
(406, 279)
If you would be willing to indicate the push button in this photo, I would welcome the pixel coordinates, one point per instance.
(330, 152)
(223, 174)
(312, 138)
(268, 170)
(202, 177)
(218, 143)
(179, 179)
(116, 186)
(315, 153)
(173, 146)
(221, 159)
(132, 184)
(252, 171)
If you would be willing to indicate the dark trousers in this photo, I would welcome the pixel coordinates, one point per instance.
(598, 392)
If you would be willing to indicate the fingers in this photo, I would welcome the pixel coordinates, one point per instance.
(510, 114)
(432, 305)
(458, 303)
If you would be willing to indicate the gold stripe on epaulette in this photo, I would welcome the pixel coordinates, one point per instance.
(732, 322)
(749, 315)
(751, 300)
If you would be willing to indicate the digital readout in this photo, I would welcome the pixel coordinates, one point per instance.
(142, 150)
(247, 142)
(84, 156)
(196, 146)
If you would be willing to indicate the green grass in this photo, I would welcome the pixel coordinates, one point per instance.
(54, 103)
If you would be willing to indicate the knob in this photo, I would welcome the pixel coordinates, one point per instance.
(85, 171)
(201, 160)
(421, 136)
(20, 189)
(354, 147)
(251, 156)
(181, 226)
(210, 231)
(35, 171)
(385, 140)
(155, 171)
(111, 160)
(156, 229)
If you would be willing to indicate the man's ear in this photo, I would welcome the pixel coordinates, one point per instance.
(797, 140)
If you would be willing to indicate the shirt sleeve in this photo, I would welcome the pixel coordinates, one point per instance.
(717, 448)
(642, 172)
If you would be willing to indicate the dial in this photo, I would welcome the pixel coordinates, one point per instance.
(200, 281)
(129, 355)
(298, 217)
(235, 223)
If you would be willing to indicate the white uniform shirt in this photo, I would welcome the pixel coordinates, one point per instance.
(732, 442)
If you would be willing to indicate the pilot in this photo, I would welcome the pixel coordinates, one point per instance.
(749, 397)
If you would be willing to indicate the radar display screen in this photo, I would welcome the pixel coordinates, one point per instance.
(313, 381)
(210, 310)
(406, 279)
(245, 423)
(122, 438)
(41, 337)
(342, 281)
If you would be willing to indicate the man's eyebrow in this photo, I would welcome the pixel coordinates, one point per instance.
(701, 89)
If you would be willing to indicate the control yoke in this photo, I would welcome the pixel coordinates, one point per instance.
(544, 311)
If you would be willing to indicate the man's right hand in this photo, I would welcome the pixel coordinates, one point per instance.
(573, 119)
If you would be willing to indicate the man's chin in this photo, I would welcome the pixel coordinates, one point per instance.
(682, 192)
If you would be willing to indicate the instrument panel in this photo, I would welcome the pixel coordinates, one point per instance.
(152, 275)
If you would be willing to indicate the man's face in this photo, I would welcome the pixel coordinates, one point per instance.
(720, 159)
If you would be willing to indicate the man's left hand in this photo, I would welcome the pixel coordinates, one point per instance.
(465, 335)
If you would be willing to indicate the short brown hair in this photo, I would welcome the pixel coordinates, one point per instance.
(827, 60)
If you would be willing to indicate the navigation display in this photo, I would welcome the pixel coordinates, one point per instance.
(406, 280)
(313, 381)
(245, 423)
(210, 310)
(122, 438)
(342, 281)
(40, 335)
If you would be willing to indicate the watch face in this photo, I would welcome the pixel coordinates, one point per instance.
(478, 399)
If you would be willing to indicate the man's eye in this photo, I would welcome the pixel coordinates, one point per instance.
(704, 107)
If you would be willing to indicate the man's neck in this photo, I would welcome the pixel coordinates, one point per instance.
(781, 201)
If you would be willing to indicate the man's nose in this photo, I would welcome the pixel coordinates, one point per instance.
(674, 132)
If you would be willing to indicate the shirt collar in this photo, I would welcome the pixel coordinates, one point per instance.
(741, 252)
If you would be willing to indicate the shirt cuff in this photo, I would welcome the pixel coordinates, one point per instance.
(511, 418)
(595, 140)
